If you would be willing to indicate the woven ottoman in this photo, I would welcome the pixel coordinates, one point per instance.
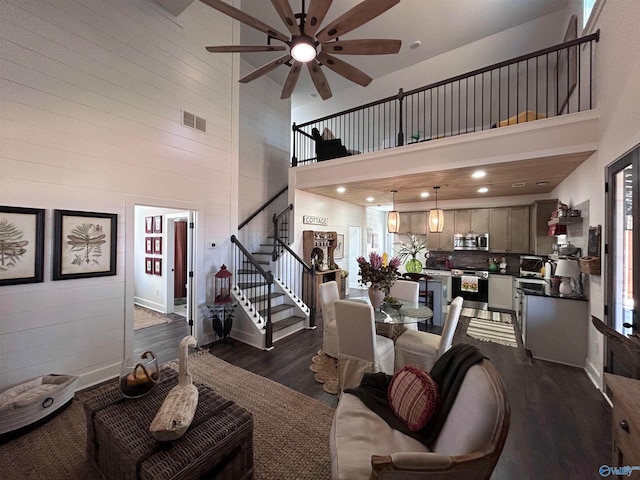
(218, 444)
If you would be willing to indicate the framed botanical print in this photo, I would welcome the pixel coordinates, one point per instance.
(157, 245)
(339, 250)
(148, 244)
(148, 265)
(84, 244)
(157, 266)
(157, 224)
(148, 224)
(21, 245)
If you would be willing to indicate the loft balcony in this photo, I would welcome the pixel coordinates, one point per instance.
(531, 118)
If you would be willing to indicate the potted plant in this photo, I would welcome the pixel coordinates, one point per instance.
(379, 274)
(412, 249)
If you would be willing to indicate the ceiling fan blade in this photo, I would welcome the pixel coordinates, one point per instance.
(286, 14)
(352, 19)
(245, 48)
(315, 15)
(265, 69)
(371, 46)
(292, 79)
(319, 80)
(343, 68)
(239, 15)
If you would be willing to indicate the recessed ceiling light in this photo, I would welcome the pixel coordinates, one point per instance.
(424, 194)
(542, 184)
(483, 190)
(340, 189)
(518, 185)
(479, 174)
(369, 199)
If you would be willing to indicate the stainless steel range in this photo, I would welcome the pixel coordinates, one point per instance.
(472, 285)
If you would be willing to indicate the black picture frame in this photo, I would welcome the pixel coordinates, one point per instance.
(148, 244)
(148, 224)
(157, 245)
(157, 266)
(21, 245)
(148, 265)
(157, 224)
(84, 244)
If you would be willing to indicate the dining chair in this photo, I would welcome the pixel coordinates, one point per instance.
(406, 290)
(360, 350)
(327, 294)
(422, 349)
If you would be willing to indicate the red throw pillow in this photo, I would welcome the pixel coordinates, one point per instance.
(413, 397)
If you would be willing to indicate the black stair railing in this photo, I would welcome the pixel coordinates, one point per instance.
(281, 227)
(256, 287)
(550, 82)
(298, 278)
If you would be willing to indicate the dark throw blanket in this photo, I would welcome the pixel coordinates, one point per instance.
(448, 372)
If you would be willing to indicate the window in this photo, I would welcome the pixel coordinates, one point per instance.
(587, 8)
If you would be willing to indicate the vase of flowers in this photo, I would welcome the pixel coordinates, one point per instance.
(379, 274)
(411, 250)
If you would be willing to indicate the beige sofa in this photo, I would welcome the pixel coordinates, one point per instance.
(364, 446)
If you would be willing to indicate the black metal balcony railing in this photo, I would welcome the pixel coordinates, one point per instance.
(549, 82)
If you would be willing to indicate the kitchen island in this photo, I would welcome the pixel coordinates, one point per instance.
(555, 328)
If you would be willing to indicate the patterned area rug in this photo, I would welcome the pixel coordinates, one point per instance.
(496, 331)
(326, 371)
(291, 430)
(487, 315)
(143, 318)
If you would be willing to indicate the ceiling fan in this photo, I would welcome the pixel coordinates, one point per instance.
(306, 37)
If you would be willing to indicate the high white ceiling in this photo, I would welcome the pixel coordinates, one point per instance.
(441, 26)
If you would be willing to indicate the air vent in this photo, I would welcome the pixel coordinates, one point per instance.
(193, 121)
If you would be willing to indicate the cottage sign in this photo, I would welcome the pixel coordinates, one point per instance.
(311, 220)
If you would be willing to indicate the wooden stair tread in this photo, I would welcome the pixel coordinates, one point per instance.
(286, 322)
(261, 298)
(276, 309)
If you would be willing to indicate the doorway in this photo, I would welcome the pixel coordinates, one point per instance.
(355, 245)
(623, 239)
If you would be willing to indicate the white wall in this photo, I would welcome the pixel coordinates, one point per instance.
(617, 81)
(265, 128)
(91, 93)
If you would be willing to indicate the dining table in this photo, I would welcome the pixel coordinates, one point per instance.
(391, 318)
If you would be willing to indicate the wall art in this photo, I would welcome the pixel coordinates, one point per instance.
(157, 266)
(157, 224)
(21, 245)
(339, 250)
(148, 224)
(157, 245)
(148, 265)
(84, 244)
(148, 244)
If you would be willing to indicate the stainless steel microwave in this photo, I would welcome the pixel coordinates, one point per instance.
(471, 241)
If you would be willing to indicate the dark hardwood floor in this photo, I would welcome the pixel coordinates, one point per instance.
(560, 423)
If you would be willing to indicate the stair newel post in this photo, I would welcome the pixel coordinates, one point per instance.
(294, 159)
(274, 254)
(312, 303)
(400, 114)
(269, 325)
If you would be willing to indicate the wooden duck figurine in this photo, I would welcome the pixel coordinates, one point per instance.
(177, 411)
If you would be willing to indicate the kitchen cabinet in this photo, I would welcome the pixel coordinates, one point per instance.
(443, 241)
(445, 277)
(472, 220)
(540, 241)
(509, 229)
(413, 222)
(500, 291)
(556, 329)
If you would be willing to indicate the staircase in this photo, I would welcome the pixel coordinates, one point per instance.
(270, 304)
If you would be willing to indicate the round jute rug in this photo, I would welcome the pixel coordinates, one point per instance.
(326, 372)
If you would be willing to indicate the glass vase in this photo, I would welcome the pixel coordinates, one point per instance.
(413, 266)
(139, 376)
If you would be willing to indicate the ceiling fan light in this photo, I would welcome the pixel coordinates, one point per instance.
(303, 50)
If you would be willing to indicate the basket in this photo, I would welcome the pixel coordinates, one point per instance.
(590, 265)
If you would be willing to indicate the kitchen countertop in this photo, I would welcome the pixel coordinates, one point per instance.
(547, 293)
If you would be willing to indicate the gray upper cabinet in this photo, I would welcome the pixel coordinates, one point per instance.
(499, 230)
(443, 241)
(472, 220)
(541, 242)
(413, 222)
(509, 230)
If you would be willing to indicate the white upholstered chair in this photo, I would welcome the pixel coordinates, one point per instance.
(422, 349)
(406, 290)
(360, 350)
(327, 294)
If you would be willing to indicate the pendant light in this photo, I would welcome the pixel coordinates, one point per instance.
(436, 217)
(393, 219)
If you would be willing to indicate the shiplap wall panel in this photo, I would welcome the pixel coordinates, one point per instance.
(91, 100)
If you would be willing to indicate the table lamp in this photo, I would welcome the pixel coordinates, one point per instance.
(567, 269)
